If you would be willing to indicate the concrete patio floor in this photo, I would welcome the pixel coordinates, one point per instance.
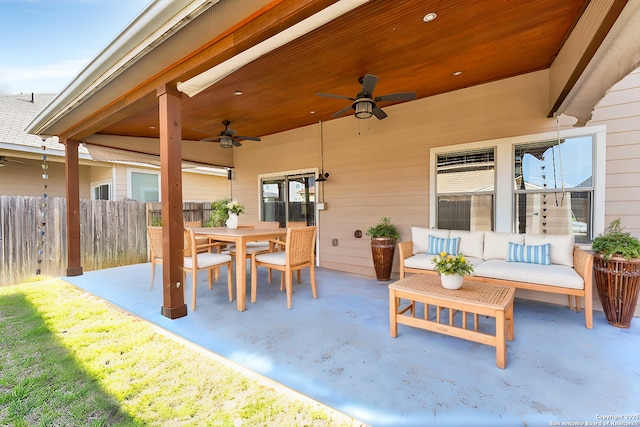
(337, 350)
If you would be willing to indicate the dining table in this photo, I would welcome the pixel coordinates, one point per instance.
(240, 237)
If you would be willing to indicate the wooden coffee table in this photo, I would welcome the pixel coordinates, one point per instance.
(474, 297)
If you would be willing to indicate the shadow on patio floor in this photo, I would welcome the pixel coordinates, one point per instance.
(337, 350)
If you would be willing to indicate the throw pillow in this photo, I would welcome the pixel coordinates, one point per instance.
(438, 245)
(530, 254)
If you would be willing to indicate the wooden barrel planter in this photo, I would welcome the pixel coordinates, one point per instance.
(383, 249)
(618, 283)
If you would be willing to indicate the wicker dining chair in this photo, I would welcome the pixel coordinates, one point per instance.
(299, 253)
(154, 238)
(195, 260)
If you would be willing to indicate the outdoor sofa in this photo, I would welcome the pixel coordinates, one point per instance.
(547, 263)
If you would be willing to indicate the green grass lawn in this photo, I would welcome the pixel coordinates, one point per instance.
(70, 359)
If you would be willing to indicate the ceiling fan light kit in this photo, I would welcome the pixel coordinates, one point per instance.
(364, 108)
(228, 138)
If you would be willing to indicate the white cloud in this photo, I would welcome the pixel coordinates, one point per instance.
(46, 78)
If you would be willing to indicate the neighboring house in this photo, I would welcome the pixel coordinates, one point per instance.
(103, 175)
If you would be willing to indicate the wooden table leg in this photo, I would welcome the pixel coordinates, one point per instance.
(501, 345)
(241, 274)
(393, 310)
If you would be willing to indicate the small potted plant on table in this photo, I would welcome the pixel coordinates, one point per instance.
(452, 269)
(617, 273)
(384, 236)
(234, 209)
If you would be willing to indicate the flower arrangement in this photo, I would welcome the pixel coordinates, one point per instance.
(235, 208)
(452, 264)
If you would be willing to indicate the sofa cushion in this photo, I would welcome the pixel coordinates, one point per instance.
(561, 246)
(538, 254)
(420, 238)
(551, 275)
(471, 242)
(425, 262)
(438, 245)
(496, 245)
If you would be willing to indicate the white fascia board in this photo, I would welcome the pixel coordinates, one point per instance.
(156, 23)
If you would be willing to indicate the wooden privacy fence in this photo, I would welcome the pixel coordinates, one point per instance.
(33, 236)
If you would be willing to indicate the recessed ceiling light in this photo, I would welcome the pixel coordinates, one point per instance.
(238, 93)
(152, 127)
(430, 17)
(457, 73)
(312, 112)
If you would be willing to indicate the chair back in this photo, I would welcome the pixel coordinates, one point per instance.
(192, 224)
(300, 246)
(267, 225)
(154, 234)
(296, 224)
(189, 242)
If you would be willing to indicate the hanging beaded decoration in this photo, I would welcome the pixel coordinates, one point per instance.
(44, 210)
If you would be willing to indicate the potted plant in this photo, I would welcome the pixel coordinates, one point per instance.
(384, 236)
(219, 213)
(617, 273)
(234, 209)
(452, 269)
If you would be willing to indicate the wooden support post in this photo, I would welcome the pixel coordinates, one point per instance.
(72, 169)
(173, 305)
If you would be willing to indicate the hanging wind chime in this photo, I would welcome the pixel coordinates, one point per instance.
(44, 210)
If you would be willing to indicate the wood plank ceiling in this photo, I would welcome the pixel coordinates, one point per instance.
(484, 40)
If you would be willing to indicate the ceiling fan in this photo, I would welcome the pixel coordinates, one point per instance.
(364, 103)
(4, 161)
(228, 137)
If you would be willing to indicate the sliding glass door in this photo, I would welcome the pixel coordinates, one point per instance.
(289, 198)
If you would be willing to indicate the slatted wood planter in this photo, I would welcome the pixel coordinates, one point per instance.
(618, 283)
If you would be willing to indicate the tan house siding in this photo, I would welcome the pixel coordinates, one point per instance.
(620, 111)
(382, 167)
(25, 179)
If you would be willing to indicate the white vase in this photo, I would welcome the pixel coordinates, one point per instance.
(232, 222)
(451, 281)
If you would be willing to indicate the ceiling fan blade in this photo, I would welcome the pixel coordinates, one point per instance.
(236, 143)
(400, 96)
(377, 111)
(200, 130)
(330, 95)
(229, 132)
(248, 138)
(369, 82)
(215, 138)
(341, 112)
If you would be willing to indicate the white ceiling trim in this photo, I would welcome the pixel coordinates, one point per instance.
(202, 81)
(616, 58)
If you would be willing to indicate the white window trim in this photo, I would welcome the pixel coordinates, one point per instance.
(504, 166)
(95, 184)
(147, 171)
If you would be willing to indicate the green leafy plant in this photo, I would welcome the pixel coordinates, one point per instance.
(385, 228)
(452, 264)
(219, 213)
(615, 242)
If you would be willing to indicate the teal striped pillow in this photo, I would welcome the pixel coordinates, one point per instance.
(539, 254)
(438, 245)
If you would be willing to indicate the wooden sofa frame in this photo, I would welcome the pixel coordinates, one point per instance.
(582, 264)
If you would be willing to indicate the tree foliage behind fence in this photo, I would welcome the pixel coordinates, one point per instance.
(112, 234)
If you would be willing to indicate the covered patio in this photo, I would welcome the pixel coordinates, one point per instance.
(337, 350)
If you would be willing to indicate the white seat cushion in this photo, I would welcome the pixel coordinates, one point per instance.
(425, 262)
(471, 242)
(207, 259)
(561, 246)
(420, 238)
(277, 258)
(552, 275)
(496, 245)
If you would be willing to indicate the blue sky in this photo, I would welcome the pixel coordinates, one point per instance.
(45, 43)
